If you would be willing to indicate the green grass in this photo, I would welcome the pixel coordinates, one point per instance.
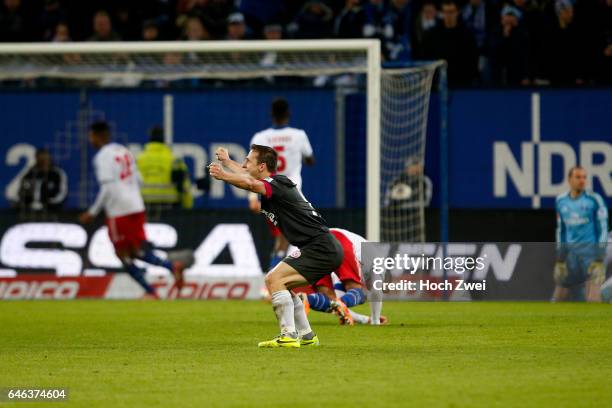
(183, 354)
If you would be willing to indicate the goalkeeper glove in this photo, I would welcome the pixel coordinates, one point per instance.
(596, 272)
(560, 272)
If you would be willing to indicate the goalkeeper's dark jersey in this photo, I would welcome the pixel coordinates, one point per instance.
(285, 206)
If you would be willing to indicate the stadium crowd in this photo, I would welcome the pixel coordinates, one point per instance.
(486, 42)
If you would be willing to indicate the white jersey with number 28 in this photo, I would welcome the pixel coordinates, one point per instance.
(291, 144)
(116, 171)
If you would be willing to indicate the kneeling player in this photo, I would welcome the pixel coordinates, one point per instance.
(338, 297)
(285, 206)
(120, 197)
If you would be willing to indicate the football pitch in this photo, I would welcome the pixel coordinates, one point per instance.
(201, 354)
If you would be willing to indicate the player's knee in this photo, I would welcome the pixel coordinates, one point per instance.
(560, 273)
(596, 273)
(326, 291)
(351, 284)
(270, 280)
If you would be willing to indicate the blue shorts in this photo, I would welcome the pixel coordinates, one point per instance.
(577, 268)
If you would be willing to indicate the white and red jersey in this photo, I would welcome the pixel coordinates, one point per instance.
(350, 269)
(354, 239)
(119, 182)
(291, 144)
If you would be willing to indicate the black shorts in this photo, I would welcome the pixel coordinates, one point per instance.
(318, 258)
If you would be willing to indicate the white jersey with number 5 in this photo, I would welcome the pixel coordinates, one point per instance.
(119, 181)
(291, 144)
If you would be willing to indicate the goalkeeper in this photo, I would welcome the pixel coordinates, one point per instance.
(582, 234)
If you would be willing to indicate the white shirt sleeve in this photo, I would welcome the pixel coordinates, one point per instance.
(104, 174)
(306, 148)
(100, 200)
(103, 170)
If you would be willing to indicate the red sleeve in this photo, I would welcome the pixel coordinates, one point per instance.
(273, 228)
(268, 188)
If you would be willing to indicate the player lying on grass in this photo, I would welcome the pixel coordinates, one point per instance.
(285, 206)
(122, 202)
(338, 297)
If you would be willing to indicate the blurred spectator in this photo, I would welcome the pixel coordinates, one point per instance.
(453, 42)
(565, 56)
(194, 30)
(404, 198)
(14, 22)
(127, 23)
(165, 178)
(259, 13)
(532, 23)
(603, 43)
(236, 27)
(271, 32)
(512, 48)
(315, 20)
(378, 23)
(45, 186)
(150, 31)
(411, 188)
(214, 14)
(479, 17)
(516, 41)
(52, 15)
(400, 17)
(61, 33)
(426, 21)
(103, 28)
(350, 21)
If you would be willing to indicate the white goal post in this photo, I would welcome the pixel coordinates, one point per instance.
(89, 61)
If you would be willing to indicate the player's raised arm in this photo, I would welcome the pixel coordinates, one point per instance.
(240, 180)
(223, 156)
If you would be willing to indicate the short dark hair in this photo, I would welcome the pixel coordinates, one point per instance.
(571, 171)
(280, 109)
(156, 134)
(42, 150)
(266, 155)
(100, 128)
(450, 3)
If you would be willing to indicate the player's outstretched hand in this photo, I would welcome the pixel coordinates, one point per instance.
(216, 170)
(222, 154)
(86, 218)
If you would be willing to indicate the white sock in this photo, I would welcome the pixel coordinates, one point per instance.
(359, 318)
(375, 308)
(376, 299)
(299, 313)
(283, 308)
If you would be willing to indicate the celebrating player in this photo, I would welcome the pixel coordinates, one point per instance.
(293, 147)
(122, 202)
(582, 234)
(348, 291)
(284, 206)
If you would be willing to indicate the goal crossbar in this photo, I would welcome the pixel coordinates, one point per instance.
(331, 57)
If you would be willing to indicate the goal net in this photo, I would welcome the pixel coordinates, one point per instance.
(367, 124)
